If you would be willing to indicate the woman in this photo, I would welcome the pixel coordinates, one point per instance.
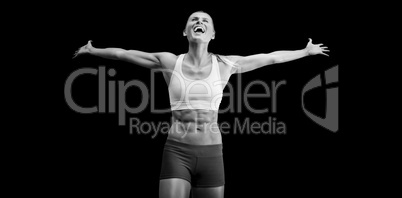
(192, 159)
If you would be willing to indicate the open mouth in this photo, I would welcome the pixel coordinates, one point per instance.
(199, 29)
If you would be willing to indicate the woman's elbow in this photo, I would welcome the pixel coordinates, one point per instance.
(119, 54)
(275, 60)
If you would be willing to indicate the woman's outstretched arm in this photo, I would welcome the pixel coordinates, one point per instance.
(148, 60)
(249, 63)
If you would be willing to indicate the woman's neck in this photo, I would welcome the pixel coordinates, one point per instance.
(198, 54)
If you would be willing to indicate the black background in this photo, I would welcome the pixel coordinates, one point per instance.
(91, 153)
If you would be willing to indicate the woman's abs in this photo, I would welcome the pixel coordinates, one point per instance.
(195, 126)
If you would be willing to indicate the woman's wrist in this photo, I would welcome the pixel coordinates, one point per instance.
(306, 52)
(90, 50)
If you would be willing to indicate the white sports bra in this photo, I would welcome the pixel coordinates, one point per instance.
(186, 93)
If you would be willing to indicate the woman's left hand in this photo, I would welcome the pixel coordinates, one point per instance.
(313, 49)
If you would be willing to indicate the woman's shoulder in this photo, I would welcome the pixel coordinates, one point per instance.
(167, 59)
(229, 60)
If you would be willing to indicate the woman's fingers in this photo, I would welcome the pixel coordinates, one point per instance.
(77, 52)
(318, 48)
(82, 49)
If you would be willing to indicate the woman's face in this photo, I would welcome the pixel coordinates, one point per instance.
(199, 27)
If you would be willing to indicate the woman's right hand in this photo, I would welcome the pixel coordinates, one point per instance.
(83, 50)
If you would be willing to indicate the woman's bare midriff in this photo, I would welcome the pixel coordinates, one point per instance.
(195, 126)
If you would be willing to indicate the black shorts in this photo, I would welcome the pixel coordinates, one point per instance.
(201, 165)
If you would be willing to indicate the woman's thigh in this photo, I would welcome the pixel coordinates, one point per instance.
(211, 192)
(174, 188)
